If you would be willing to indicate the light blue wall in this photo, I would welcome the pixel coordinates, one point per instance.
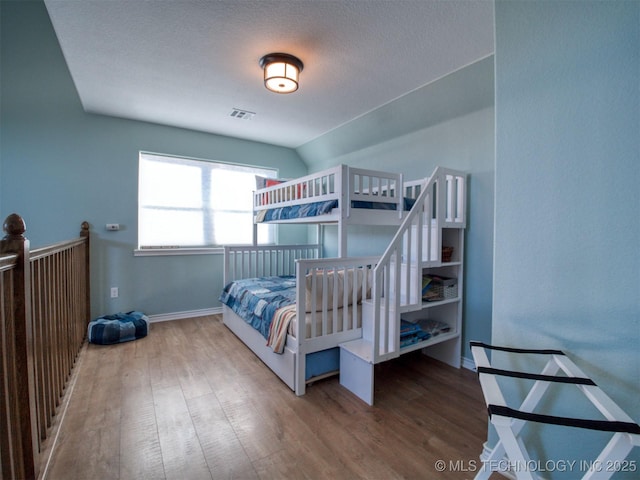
(567, 265)
(455, 138)
(61, 166)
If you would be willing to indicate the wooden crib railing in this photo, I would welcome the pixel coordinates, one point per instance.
(44, 313)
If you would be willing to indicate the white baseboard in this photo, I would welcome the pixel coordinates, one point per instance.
(164, 317)
(469, 364)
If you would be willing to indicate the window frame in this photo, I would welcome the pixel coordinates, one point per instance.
(142, 250)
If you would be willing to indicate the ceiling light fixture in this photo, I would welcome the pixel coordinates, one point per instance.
(281, 72)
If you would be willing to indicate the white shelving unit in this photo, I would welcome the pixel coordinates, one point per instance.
(445, 346)
(437, 220)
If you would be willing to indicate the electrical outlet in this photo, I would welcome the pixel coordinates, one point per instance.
(114, 292)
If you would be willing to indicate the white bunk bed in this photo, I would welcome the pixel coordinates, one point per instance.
(375, 290)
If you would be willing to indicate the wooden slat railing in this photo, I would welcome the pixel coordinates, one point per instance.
(44, 312)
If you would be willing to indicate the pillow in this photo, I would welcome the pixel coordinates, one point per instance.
(342, 284)
(270, 182)
(264, 182)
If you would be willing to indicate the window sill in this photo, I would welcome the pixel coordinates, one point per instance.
(168, 251)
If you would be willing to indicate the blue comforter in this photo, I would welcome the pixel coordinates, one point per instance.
(300, 211)
(256, 299)
(322, 208)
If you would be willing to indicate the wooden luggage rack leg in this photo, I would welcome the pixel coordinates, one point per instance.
(509, 422)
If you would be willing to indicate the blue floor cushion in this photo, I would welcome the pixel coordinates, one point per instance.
(118, 328)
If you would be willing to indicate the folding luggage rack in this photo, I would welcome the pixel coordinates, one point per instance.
(509, 422)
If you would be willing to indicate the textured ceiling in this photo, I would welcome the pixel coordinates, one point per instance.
(188, 63)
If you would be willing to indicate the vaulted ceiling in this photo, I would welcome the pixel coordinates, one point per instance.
(189, 63)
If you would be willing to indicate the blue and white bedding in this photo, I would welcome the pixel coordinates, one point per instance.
(322, 208)
(268, 304)
(297, 211)
(248, 298)
(256, 300)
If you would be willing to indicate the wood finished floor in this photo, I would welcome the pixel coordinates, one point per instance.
(190, 401)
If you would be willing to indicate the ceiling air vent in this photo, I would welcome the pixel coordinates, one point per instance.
(241, 114)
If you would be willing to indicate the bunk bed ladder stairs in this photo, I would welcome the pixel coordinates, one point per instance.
(397, 284)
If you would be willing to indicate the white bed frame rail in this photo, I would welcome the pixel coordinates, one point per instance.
(330, 323)
(250, 261)
(329, 318)
(324, 185)
(341, 183)
(344, 184)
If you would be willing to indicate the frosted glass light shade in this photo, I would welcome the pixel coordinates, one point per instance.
(281, 72)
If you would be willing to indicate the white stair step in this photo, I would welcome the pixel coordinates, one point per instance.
(361, 348)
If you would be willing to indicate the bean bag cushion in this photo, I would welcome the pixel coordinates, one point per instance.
(118, 328)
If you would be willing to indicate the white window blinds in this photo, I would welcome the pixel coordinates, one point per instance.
(184, 202)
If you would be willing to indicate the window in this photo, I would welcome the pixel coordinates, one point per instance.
(184, 202)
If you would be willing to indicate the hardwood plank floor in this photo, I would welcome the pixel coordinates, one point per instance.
(190, 401)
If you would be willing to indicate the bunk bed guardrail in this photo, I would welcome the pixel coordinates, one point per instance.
(249, 261)
(340, 195)
(342, 183)
(45, 310)
(328, 297)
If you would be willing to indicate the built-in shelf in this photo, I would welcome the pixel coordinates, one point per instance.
(440, 302)
(442, 337)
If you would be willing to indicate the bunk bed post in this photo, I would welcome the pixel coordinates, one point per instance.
(300, 355)
(24, 404)
(255, 234)
(399, 191)
(345, 204)
(342, 242)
